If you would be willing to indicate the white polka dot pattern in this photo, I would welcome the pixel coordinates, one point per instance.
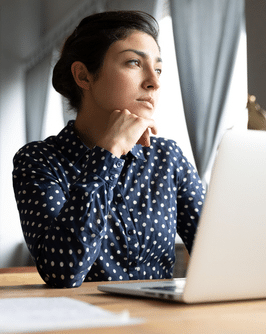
(87, 215)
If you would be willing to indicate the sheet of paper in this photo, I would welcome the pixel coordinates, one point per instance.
(18, 315)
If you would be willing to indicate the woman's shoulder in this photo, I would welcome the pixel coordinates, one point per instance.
(35, 147)
(49, 145)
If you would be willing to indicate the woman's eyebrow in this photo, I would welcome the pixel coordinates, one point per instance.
(142, 54)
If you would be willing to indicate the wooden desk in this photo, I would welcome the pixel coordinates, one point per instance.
(160, 317)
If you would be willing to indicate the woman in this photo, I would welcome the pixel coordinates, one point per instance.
(103, 200)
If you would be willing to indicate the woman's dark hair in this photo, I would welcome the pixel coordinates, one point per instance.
(90, 42)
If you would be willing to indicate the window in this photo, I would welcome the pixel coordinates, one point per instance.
(169, 115)
(53, 118)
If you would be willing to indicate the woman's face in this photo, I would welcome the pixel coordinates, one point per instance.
(129, 77)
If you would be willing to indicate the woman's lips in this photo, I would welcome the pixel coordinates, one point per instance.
(147, 102)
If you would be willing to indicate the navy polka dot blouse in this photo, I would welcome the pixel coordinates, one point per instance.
(88, 215)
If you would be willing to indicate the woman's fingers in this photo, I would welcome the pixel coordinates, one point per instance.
(125, 130)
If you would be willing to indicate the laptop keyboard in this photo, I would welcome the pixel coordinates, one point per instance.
(166, 288)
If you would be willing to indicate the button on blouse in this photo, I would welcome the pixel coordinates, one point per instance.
(88, 215)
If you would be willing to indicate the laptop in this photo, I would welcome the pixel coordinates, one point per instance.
(228, 259)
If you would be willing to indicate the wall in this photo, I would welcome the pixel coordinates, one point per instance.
(256, 49)
(55, 11)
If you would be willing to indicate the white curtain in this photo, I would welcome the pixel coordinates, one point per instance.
(36, 93)
(206, 34)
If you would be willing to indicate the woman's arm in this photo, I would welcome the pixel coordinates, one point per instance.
(190, 199)
(63, 223)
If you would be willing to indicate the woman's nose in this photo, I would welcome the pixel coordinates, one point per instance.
(152, 80)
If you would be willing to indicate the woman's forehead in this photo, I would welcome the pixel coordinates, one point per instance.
(138, 42)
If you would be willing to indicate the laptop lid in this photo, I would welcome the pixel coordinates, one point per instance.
(228, 260)
(229, 254)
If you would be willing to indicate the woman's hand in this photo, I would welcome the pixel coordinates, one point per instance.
(124, 130)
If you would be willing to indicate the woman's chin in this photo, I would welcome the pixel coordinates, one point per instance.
(143, 112)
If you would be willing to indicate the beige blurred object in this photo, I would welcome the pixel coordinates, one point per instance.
(256, 115)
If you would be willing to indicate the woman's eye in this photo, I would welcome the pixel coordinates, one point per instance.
(159, 71)
(134, 62)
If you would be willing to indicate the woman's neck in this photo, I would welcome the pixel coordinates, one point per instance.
(90, 126)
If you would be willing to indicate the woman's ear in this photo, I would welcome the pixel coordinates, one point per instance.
(81, 75)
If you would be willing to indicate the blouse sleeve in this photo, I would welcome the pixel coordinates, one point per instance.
(63, 224)
(190, 199)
